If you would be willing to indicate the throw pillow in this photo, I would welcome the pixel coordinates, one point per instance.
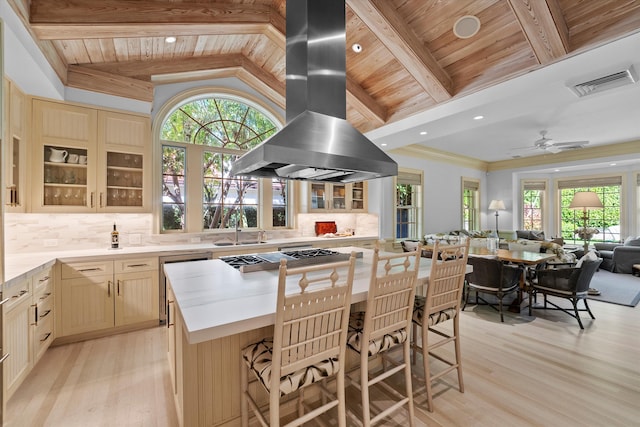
(537, 235)
(632, 241)
(589, 256)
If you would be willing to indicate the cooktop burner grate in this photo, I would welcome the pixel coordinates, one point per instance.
(271, 261)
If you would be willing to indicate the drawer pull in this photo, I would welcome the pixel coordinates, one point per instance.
(45, 296)
(4, 301)
(43, 315)
(22, 292)
(44, 279)
(46, 337)
(137, 265)
(4, 358)
(85, 270)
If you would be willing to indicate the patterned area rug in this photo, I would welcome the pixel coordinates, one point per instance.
(623, 289)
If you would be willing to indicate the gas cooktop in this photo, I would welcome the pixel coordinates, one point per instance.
(271, 260)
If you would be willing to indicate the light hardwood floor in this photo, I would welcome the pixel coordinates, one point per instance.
(529, 371)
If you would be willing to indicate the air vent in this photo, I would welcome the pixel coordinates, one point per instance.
(620, 78)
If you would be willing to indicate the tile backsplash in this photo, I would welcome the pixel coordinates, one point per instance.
(25, 233)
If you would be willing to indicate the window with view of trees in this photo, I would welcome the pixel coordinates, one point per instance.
(200, 140)
(605, 220)
(408, 205)
(532, 203)
(470, 204)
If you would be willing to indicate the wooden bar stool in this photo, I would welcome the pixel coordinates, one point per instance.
(442, 303)
(385, 325)
(308, 346)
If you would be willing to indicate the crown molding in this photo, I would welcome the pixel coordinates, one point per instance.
(427, 153)
(590, 153)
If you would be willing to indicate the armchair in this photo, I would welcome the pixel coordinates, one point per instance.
(619, 258)
(570, 283)
(492, 276)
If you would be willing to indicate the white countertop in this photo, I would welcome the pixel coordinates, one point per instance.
(20, 266)
(215, 300)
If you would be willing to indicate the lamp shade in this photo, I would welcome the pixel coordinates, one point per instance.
(585, 200)
(496, 205)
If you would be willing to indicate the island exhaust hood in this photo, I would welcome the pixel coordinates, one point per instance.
(317, 143)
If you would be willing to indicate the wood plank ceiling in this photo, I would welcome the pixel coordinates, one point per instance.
(411, 59)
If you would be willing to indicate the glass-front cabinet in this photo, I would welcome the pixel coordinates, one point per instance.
(335, 197)
(15, 155)
(89, 160)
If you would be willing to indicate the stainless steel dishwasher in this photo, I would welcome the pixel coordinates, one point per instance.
(185, 257)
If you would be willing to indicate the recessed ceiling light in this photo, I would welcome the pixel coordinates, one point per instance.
(383, 144)
(613, 164)
(424, 132)
(478, 118)
(170, 39)
(356, 48)
(467, 26)
(556, 170)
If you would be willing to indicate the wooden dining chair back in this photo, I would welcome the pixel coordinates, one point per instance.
(385, 325)
(308, 345)
(441, 303)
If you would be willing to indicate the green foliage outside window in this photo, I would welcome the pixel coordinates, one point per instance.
(600, 219)
(532, 209)
(227, 128)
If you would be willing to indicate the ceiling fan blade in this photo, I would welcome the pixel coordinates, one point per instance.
(570, 143)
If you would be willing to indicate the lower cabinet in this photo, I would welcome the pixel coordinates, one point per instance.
(106, 294)
(42, 321)
(16, 337)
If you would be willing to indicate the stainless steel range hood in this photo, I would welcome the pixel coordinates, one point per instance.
(317, 143)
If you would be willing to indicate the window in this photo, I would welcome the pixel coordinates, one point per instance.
(200, 140)
(605, 220)
(532, 205)
(470, 204)
(408, 205)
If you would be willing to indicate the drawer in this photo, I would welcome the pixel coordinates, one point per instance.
(74, 270)
(17, 293)
(43, 309)
(42, 337)
(43, 279)
(136, 264)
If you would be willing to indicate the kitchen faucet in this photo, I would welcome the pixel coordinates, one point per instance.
(237, 238)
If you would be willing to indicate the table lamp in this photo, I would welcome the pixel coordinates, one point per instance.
(585, 200)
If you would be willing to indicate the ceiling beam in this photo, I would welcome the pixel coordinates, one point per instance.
(383, 20)
(144, 18)
(365, 104)
(111, 84)
(544, 27)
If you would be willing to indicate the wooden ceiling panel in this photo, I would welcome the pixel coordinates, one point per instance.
(410, 55)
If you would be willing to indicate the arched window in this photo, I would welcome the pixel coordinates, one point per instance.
(200, 139)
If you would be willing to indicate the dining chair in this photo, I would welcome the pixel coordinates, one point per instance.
(571, 283)
(492, 276)
(442, 303)
(385, 325)
(308, 345)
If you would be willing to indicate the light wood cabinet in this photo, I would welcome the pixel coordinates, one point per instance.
(106, 294)
(16, 336)
(332, 197)
(89, 160)
(15, 157)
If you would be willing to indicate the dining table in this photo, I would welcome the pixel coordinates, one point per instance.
(526, 259)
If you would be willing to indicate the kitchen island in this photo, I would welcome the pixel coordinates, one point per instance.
(214, 311)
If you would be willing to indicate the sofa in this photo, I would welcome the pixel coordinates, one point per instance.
(619, 257)
(508, 238)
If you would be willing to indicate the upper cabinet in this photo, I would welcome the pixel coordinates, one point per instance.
(89, 160)
(15, 147)
(332, 197)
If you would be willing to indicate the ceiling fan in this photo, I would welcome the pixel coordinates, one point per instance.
(548, 144)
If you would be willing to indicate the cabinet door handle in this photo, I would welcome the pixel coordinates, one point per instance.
(35, 311)
(86, 270)
(91, 200)
(4, 301)
(118, 287)
(4, 358)
(101, 199)
(169, 324)
(46, 337)
(109, 288)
